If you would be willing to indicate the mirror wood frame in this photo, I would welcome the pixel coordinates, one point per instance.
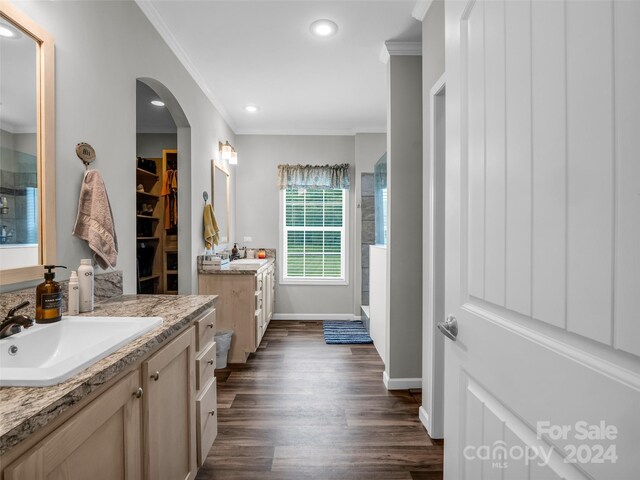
(220, 170)
(45, 133)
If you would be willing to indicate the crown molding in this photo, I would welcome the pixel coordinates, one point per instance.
(344, 132)
(154, 17)
(400, 48)
(421, 8)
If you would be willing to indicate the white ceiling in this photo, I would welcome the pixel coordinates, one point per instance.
(150, 118)
(261, 52)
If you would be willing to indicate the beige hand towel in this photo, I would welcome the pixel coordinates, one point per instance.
(211, 231)
(94, 222)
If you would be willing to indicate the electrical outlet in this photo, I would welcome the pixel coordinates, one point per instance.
(247, 239)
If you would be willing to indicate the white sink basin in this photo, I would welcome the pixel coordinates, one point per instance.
(48, 354)
(249, 261)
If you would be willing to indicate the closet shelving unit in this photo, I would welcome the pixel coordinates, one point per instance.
(170, 240)
(149, 229)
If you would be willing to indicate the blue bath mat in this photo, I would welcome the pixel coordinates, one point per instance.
(342, 332)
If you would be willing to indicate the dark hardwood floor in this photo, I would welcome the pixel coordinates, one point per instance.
(301, 409)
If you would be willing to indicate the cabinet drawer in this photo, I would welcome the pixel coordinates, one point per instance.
(205, 365)
(258, 320)
(258, 297)
(206, 420)
(205, 329)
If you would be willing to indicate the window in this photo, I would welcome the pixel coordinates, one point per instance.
(314, 236)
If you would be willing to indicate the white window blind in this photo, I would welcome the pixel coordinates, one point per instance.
(314, 233)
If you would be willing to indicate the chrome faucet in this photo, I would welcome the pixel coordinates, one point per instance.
(13, 323)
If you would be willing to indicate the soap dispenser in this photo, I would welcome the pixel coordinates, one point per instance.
(49, 297)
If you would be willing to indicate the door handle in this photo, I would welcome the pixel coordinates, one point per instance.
(449, 327)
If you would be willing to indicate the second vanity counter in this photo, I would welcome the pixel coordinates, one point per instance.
(25, 410)
(244, 266)
(247, 290)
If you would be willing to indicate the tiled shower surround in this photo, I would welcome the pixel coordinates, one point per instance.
(367, 210)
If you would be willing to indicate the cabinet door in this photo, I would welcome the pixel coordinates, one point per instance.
(169, 414)
(103, 440)
(273, 291)
(207, 419)
(269, 292)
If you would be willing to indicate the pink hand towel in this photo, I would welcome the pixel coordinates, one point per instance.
(94, 222)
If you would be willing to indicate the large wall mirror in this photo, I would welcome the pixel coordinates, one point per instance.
(221, 192)
(27, 149)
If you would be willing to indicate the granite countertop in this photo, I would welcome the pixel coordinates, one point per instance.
(24, 410)
(235, 268)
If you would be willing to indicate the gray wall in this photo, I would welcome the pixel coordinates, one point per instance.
(98, 66)
(150, 145)
(369, 148)
(404, 259)
(432, 70)
(257, 209)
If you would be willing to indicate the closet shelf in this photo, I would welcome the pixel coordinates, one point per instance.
(148, 217)
(150, 277)
(143, 173)
(149, 195)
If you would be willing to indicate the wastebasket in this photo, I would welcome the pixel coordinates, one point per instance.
(223, 344)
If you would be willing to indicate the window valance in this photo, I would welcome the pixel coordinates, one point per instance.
(313, 176)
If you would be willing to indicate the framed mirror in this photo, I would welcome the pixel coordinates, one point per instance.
(27, 148)
(221, 192)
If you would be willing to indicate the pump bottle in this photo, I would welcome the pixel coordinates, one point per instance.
(49, 297)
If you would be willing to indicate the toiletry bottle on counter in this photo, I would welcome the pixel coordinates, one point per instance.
(85, 282)
(49, 297)
(74, 295)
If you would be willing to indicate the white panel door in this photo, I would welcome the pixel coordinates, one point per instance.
(543, 240)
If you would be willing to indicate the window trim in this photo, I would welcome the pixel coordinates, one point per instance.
(282, 257)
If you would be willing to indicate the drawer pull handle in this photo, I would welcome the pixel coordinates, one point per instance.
(210, 362)
(138, 393)
(210, 325)
(156, 376)
(212, 412)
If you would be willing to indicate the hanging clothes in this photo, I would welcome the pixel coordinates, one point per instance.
(170, 194)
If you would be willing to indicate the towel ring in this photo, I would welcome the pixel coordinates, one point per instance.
(86, 154)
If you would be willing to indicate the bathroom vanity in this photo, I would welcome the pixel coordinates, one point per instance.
(246, 290)
(148, 410)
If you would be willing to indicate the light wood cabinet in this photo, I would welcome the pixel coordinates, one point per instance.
(245, 305)
(207, 419)
(144, 426)
(206, 395)
(169, 416)
(102, 441)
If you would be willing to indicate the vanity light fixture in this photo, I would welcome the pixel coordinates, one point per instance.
(228, 153)
(252, 108)
(324, 28)
(157, 103)
(225, 150)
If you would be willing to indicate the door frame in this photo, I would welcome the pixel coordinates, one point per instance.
(432, 417)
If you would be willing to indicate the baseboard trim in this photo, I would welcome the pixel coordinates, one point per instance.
(424, 418)
(315, 316)
(400, 383)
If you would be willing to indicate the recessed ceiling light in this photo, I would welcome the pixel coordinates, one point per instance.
(6, 32)
(252, 108)
(157, 103)
(324, 28)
